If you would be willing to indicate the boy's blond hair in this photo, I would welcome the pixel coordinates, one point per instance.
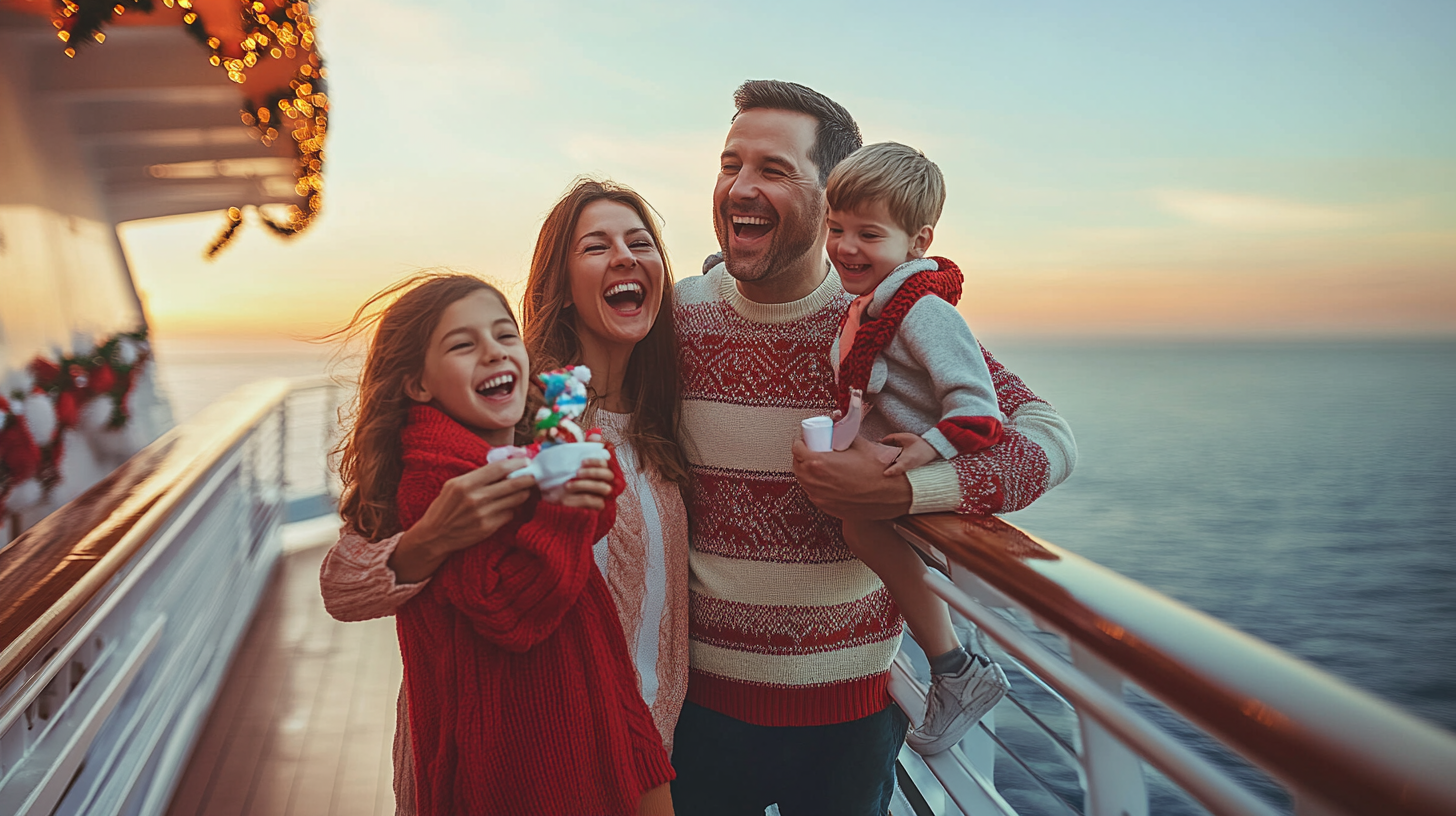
(910, 184)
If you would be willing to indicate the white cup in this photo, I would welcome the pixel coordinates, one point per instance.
(818, 433)
(558, 464)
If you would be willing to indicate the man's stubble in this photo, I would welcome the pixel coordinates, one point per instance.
(794, 237)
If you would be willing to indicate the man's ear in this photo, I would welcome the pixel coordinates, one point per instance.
(922, 241)
(416, 390)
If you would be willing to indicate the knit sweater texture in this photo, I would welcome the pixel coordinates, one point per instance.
(927, 375)
(357, 584)
(787, 627)
(522, 695)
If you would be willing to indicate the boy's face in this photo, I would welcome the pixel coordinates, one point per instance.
(866, 245)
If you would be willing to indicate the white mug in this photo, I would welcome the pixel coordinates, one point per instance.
(558, 464)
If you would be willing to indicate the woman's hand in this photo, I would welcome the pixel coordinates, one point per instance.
(470, 508)
(593, 483)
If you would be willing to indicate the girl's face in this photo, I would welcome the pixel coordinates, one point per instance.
(476, 368)
(616, 273)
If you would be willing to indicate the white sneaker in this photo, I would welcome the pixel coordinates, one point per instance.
(955, 703)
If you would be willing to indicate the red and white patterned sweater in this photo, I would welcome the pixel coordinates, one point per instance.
(787, 627)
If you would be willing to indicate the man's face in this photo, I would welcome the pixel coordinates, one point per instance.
(768, 207)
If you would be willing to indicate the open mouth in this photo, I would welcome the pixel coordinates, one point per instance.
(501, 385)
(625, 296)
(751, 226)
(853, 269)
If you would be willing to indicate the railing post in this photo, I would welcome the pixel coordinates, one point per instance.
(1112, 775)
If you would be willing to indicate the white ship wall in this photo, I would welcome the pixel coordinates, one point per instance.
(64, 282)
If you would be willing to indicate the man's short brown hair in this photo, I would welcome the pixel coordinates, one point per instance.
(837, 135)
(910, 184)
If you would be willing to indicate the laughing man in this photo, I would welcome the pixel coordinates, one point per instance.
(791, 636)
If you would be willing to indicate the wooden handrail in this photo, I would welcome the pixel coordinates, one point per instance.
(1318, 736)
(53, 569)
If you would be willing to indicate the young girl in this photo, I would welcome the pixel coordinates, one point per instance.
(521, 693)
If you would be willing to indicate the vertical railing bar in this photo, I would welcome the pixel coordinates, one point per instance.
(1192, 772)
(1036, 777)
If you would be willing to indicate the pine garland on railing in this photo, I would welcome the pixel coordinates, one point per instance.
(88, 391)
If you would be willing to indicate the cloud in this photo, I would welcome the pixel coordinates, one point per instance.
(1258, 213)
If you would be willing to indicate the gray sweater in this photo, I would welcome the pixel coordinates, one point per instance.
(931, 370)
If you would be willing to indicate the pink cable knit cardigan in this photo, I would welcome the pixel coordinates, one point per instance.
(357, 584)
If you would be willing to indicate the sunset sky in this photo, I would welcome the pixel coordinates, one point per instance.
(1144, 168)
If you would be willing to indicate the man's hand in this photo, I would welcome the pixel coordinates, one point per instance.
(851, 484)
(470, 508)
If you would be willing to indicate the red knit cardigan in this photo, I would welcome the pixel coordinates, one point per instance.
(522, 695)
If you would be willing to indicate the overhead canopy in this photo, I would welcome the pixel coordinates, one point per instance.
(211, 106)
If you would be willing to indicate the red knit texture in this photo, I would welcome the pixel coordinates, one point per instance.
(967, 434)
(744, 514)
(522, 695)
(873, 335)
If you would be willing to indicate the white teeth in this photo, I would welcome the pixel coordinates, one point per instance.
(499, 379)
(750, 219)
(624, 286)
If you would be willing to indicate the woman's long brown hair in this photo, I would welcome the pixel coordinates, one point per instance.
(550, 333)
(371, 460)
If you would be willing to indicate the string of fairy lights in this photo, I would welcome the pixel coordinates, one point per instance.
(273, 30)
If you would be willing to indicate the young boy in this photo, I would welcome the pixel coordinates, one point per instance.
(905, 346)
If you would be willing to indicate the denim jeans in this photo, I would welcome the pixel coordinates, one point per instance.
(726, 767)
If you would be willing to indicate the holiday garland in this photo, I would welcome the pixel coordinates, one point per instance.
(85, 390)
(275, 30)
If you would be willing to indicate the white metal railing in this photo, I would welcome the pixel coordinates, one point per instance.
(1260, 734)
(106, 690)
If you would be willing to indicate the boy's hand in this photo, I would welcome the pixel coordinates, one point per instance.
(914, 452)
(851, 484)
(593, 483)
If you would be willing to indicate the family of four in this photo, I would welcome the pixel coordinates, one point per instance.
(703, 622)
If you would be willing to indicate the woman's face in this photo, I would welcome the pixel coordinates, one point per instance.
(616, 273)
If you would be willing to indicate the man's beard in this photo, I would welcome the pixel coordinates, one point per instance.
(794, 236)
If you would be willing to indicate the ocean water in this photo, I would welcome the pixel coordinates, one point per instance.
(1302, 492)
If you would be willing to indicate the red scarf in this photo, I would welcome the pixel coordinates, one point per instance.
(874, 334)
(967, 434)
(522, 695)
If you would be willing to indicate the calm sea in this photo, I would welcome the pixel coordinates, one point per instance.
(1304, 493)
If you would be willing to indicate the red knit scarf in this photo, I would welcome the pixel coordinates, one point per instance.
(522, 695)
(873, 335)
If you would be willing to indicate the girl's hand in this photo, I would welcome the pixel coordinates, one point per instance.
(593, 483)
(470, 508)
(914, 452)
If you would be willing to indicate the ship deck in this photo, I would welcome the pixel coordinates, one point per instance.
(304, 723)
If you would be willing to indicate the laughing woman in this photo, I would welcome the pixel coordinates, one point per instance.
(594, 297)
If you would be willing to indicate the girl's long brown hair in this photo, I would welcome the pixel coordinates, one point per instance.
(371, 459)
(550, 333)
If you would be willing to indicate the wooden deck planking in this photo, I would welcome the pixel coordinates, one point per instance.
(305, 719)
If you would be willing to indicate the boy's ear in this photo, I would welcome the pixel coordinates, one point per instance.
(922, 240)
(416, 391)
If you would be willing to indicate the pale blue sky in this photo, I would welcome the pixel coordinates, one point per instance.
(1115, 167)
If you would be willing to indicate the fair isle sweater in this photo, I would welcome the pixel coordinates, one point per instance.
(786, 626)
